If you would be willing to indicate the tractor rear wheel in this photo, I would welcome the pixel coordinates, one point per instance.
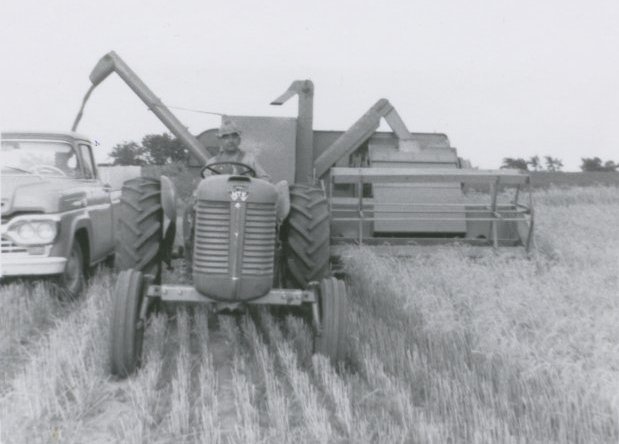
(127, 326)
(330, 319)
(140, 228)
(307, 236)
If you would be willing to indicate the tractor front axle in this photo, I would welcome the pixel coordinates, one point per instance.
(186, 293)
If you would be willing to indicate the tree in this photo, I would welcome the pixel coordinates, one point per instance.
(553, 163)
(128, 153)
(519, 163)
(595, 164)
(534, 163)
(156, 149)
(162, 149)
(609, 165)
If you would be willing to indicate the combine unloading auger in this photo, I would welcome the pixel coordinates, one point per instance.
(110, 63)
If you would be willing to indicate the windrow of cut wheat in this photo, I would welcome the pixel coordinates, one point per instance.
(444, 346)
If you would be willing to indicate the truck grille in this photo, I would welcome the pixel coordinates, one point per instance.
(8, 246)
(212, 233)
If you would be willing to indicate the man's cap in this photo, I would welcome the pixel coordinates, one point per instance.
(227, 127)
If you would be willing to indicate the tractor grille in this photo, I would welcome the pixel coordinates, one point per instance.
(259, 245)
(212, 232)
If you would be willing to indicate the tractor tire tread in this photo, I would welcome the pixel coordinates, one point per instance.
(148, 212)
(124, 200)
(140, 231)
(147, 196)
(308, 232)
(125, 358)
(331, 341)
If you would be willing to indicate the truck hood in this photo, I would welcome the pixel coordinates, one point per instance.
(36, 194)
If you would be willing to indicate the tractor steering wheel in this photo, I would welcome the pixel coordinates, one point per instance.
(246, 169)
(42, 169)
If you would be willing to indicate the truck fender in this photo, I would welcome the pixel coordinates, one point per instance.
(81, 222)
(168, 203)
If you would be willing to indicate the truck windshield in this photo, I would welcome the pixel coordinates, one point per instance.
(44, 158)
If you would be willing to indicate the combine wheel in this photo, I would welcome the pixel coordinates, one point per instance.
(330, 319)
(307, 236)
(140, 230)
(127, 323)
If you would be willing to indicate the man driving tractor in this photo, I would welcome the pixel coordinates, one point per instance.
(231, 159)
(231, 154)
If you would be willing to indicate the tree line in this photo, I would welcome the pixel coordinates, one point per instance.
(155, 149)
(163, 149)
(534, 163)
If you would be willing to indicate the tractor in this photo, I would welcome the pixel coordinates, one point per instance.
(238, 253)
(360, 186)
(250, 244)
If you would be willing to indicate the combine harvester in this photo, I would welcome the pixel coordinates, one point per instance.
(384, 188)
(249, 247)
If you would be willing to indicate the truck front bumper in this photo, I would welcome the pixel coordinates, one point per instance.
(20, 265)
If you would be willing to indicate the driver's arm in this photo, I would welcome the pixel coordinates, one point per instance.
(260, 173)
(253, 162)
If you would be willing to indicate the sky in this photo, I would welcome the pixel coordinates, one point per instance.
(500, 78)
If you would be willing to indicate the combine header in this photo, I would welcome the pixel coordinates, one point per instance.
(397, 216)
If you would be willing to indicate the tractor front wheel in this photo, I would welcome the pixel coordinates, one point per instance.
(127, 324)
(329, 315)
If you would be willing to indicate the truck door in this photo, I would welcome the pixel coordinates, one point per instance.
(99, 207)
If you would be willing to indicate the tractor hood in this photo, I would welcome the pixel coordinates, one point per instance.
(36, 194)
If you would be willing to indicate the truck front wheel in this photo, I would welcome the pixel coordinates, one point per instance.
(73, 279)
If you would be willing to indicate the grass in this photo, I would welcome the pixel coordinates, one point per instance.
(443, 347)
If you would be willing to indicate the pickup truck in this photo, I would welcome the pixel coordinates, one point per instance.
(57, 215)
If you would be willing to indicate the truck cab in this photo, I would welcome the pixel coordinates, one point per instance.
(56, 212)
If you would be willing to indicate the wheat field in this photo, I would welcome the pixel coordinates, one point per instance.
(445, 345)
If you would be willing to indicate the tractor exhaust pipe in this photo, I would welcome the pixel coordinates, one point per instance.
(110, 63)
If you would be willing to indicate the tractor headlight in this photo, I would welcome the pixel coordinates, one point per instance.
(37, 231)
